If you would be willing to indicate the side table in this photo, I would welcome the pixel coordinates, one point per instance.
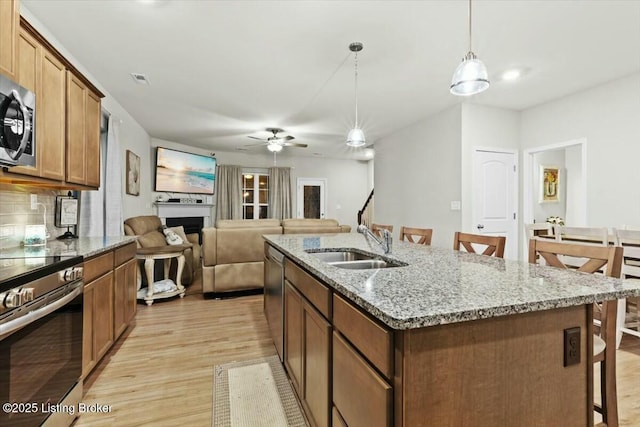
(166, 253)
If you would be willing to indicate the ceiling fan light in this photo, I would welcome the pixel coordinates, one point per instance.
(356, 138)
(274, 147)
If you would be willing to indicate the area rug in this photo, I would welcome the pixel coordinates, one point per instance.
(254, 393)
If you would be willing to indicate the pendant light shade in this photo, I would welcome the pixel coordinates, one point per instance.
(356, 136)
(471, 76)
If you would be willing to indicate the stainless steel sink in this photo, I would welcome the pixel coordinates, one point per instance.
(341, 256)
(354, 260)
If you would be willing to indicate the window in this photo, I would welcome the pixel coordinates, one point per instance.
(255, 196)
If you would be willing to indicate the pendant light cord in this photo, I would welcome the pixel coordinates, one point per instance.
(356, 86)
(470, 50)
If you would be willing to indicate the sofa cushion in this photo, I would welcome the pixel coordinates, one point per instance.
(309, 222)
(152, 239)
(142, 225)
(247, 223)
(237, 245)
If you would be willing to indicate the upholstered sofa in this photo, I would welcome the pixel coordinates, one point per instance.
(233, 250)
(148, 232)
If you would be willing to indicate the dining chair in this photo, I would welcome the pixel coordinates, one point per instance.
(594, 236)
(596, 259)
(538, 228)
(377, 229)
(629, 240)
(421, 236)
(494, 245)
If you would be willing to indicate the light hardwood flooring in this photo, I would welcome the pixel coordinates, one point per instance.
(161, 372)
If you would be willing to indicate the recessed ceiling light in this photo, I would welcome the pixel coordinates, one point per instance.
(511, 75)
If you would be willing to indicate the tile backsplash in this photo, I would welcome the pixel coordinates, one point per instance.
(16, 214)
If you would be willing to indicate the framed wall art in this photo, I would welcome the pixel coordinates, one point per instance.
(133, 174)
(550, 177)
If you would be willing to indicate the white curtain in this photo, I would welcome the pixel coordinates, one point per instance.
(280, 192)
(101, 210)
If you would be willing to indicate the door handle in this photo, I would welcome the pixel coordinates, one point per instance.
(480, 226)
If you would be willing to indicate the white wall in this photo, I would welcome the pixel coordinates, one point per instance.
(608, 117)
(417, 174)
(347, 180)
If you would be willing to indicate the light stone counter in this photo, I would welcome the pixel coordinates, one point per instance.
(440, 286)
(82, 246)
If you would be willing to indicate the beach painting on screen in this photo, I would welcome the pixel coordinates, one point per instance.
(182, 172)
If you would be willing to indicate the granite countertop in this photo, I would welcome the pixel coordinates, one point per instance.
(82, 246)
(440, 286)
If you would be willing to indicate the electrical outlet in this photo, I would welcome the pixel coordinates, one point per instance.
(34, 202)
(571, 346)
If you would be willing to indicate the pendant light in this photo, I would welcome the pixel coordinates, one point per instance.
(356, 135)
(471, 76)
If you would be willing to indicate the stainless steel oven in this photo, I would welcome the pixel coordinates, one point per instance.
(41, 343)
(17, 124)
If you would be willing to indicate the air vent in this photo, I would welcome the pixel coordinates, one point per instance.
(140, 78)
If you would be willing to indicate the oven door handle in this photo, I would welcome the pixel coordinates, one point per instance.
(13, 325)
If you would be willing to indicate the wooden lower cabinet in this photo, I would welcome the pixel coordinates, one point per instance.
(293, 336)
(360, 395)
(109, 302)
(316, 366)
(124, 297)
(308, 355)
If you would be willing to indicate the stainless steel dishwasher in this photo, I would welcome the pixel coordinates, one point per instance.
(274, 296)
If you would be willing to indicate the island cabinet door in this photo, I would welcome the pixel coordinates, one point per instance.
(293, 315)
(361, 397)
(317, 351)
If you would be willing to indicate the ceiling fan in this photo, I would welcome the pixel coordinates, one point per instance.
(275, 143)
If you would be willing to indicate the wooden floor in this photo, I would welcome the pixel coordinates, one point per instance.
(161, 373)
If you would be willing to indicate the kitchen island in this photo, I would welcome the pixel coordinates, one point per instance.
(448, 338)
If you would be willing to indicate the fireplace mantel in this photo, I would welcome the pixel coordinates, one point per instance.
(177, 210)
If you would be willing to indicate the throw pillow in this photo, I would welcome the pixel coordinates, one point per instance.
(172, 237)
(179, 230)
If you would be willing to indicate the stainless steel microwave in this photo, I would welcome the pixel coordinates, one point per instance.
(17, 124)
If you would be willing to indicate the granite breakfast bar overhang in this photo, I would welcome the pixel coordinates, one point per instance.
(476, 340)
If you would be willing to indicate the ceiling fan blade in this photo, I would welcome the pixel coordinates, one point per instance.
(256, 145)
(294, 144)
(255, 137)
(287, 138)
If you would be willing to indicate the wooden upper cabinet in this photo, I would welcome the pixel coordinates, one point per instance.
(50, 112)
(92, 140)
(9, 24)
(44, 74)
(83, 133)
(76, 112)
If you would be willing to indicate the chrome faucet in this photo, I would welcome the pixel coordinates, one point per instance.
(387, 239)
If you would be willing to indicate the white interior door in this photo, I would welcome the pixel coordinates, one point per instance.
(495, 198)
(311, 198)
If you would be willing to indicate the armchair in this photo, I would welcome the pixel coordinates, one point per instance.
(150, 239)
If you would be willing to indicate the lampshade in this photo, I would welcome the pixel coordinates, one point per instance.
(356, 138)
(274, 147)
(470, 77)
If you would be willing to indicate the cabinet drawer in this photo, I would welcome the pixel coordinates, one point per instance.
(318, 294)
(125, 253)
(373, 340)
(362, 397)
(96, 267)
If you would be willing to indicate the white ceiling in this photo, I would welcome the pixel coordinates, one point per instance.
(223, 70)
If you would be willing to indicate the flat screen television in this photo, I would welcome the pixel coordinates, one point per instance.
(182, 172)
